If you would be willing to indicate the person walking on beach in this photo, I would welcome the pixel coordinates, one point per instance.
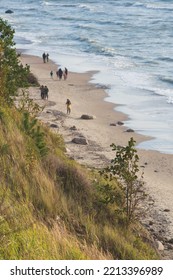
(46, 90)
(51, 74)
(42, 91)
(65, 73)
(60, 73)
(68, 104)
(44, 57)
(47, 57)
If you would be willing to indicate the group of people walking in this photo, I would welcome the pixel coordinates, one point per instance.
(44, 92)
(60, 73)
(45, 57)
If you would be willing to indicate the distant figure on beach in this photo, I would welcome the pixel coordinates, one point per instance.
(59, 73)
(51, 74)
(44, 92)
(47, 57)
(65, 73)
(44, 57)
(68, 104)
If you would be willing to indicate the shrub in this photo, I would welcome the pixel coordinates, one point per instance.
(125, 169)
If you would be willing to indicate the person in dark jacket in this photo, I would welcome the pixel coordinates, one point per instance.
(44, 57)
(65, 73)
(60, 73)
(46, 90)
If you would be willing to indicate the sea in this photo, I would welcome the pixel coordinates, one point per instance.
(128, 43)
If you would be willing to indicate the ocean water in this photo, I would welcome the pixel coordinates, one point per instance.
(129, 43)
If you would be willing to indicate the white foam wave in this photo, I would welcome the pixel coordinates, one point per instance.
(159, 91)
(167, 6)
(170, 100)
(85, 6)
(155, 5)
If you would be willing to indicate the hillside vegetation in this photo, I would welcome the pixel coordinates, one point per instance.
(50, 206)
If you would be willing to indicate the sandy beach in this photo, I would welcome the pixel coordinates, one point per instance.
(100, 132)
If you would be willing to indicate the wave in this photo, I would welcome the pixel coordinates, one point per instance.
(166, 80)
(139, 4)
(155, 6)
(52, 3)
(95, 28)
(167, 93)
(159, 6)
(94, 46)
(87, 7)
(68, 18)
(170, 100)
(68, 5)
(167, 59)
(22, 40)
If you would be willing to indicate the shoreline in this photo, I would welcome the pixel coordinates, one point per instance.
(89, 99)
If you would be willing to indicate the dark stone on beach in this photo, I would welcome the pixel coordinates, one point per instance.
(166, 210)
(155, 170)
(169, 246)
(9, 12)
(112, 124)
(80, 157)
(53, 125)
(120, 123)
(87, 117)
(129, 130)
(170, 241)
(57, 113)
(80, 140)
(73, 127)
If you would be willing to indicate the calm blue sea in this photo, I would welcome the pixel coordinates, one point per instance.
(130, 43)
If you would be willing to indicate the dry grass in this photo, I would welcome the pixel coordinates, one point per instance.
(51, 207)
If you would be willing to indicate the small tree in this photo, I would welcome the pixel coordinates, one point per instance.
(124, 167)
(32, 129)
